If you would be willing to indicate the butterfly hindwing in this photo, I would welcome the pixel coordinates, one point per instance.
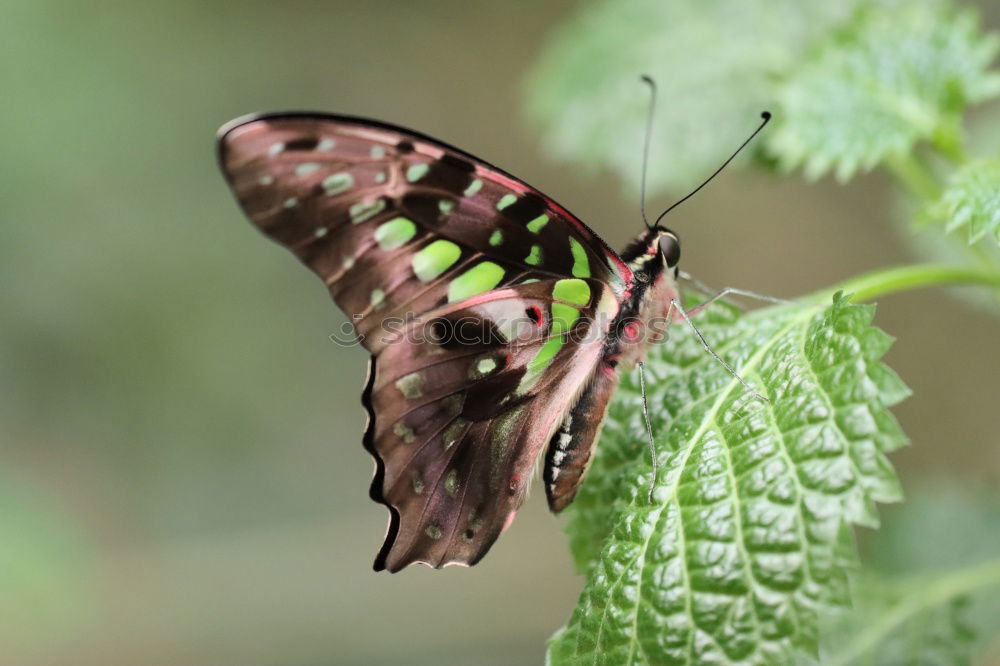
(485, 306)
(458, 418)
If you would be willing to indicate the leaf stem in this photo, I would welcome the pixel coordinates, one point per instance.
(949, 143)
(926, 594)
(917, 178)
(893, 280)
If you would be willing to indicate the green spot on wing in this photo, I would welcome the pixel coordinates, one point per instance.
(435, 259)
(451, 483)
(477, 280)
(473, 187)
(365, 210)
(537, 365)
(337, 183)
(581, 262)
(572, 291)
(496, 238)
(416, 172)
(538, 223)
(535, 256)
(395, 233)
(453, 432)
(406, 434)
(411, 385)
(563, 317)
(506, 200)
(417, 479)
(306, 168)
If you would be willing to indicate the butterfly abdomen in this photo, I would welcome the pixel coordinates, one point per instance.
(572, 446)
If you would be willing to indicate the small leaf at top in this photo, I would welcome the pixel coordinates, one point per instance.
(715, 75)
(893, 76)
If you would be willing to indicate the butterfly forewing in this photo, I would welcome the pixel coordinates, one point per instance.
(387, 218)
(485, 306)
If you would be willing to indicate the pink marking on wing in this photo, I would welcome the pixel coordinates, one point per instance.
(508, 520)
(453, 563)
(537, 315)
(488, 297)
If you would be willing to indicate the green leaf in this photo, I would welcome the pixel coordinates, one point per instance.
(715, 76)
(895, 75)
(746, 539)
(920, 620)
(917, 543)
(905, 631)
(971, 201)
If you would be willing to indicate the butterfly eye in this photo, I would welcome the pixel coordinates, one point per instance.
(670, 249)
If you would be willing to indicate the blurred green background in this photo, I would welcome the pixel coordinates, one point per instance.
(181, 474)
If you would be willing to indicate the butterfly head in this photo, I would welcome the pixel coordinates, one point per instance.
(655, 253)
(668, 246)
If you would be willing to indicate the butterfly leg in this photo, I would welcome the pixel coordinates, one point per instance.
(675, 305)
(735, 292)
(649, 428)
(698, 284)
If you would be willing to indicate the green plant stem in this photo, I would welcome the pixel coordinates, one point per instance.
(915, 176)
(925, 595)
(949, 143)
(913, 172)
(903, 278)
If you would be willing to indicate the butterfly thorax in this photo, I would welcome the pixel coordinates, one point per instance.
(643, 317)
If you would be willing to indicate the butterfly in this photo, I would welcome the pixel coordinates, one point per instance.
(498, 323)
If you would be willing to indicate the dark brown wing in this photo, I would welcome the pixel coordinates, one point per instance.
(412, 235)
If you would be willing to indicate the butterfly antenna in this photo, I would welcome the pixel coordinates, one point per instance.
(645, 145)
(766, 115)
